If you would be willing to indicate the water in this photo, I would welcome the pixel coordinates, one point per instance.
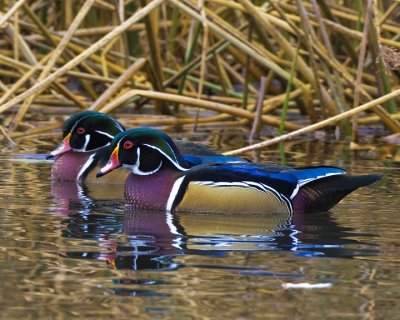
(69, 252)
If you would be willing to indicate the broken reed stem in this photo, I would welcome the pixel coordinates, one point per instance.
(209, 105)
(318, 125)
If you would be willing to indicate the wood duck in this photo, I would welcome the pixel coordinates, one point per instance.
(160, 179)
(86, 139)
(85, 148)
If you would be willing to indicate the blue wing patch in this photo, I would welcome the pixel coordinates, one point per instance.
(306, 175)
(198, 160)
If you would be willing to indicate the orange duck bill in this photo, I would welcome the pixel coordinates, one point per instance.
(63, 148)
(112, 164)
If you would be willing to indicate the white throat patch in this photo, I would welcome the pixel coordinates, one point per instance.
(85, 167)
(135, 168)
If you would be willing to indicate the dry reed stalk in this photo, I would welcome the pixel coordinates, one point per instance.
(155, 55)
(276, 101)
(35, 131)
(241, 43)
(375, 119)
(88, 32)
(21, 44)
(168, 120)
(203, 56)
(103, 57)
(30, 57)
(308, 40)
(3, 87)
(52, 40)
(222, 74)
(236, 75)
(52, 61)
(256, 123)
(5, 134)
(209, 105)
(219, 46)
(84, 55)
(117, 84)
(329, 35)
(388, 12)
(11, 12)
(18, 84)
(334, 81)
(361, 59)
(318, 125)
(358, 35)
(307, 72)
(387, 120)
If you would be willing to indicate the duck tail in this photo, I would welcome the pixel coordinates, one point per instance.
(323, 194)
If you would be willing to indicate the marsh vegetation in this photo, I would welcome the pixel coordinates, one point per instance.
(295, 66)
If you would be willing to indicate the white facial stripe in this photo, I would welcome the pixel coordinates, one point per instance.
(76, 123)
(83, 149)
(105, 134)
(98, 131)
(119, 126)
(175, 162)
(119, 142)
(135, 168)
(174, 193)
(85, 166)
(87, 140)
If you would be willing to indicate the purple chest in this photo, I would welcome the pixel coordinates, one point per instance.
(151, 191)
(67, 166)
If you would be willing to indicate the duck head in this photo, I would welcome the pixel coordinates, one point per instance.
(87, 131)
(144, 151)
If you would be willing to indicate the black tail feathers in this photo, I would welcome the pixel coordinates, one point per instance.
(323, 194)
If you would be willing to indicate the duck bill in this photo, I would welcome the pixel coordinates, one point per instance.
(112, 164)
(63, 148)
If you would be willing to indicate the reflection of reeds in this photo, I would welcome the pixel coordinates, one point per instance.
(205, 54)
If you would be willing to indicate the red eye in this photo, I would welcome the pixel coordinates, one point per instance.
(80, 130)
(128, 144)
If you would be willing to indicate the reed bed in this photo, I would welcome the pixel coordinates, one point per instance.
(296, 66)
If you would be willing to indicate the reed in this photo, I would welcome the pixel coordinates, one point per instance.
(232, 58)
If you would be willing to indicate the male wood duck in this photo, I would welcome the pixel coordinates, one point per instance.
(86, 139)
(85, 148)
(160, 179)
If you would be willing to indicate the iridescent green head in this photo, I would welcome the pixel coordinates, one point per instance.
(88, 131)
(144, 151)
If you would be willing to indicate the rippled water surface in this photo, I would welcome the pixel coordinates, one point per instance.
(67, 251)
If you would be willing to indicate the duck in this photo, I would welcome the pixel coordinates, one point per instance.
(160, 179)
(85, 149)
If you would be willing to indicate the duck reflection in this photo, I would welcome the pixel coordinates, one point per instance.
(128, 238)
